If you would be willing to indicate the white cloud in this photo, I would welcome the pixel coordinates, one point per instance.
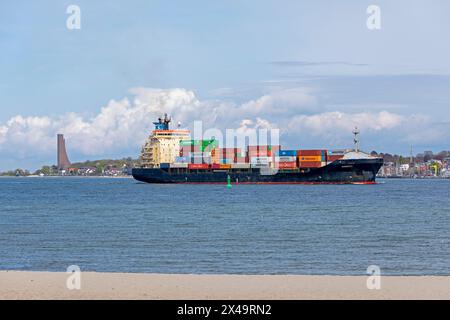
(281, 102)
(259, 123)
(330, 122)
(26, 131)
(122, 126)
(3, 131)
(380, 130)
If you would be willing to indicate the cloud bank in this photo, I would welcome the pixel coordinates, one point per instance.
(121, 126)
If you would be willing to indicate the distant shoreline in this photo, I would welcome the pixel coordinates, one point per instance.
(94, 285)
(131, 177)
(34, 176)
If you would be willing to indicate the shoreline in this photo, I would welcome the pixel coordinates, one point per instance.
(96, 285)
(90, 177)
(131, 177)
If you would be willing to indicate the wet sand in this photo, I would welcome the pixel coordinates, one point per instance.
(52, 285)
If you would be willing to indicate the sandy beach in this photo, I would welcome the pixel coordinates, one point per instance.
(52, 285)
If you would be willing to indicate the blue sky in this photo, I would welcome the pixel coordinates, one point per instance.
(315, 58)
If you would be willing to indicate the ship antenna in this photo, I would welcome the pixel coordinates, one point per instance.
(356, 139)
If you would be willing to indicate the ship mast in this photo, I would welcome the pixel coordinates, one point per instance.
(356, 139)
(167, 120)
(163, 123)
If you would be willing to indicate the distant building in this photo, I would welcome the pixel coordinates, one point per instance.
(63, 159)
(404, 168)
(86, 171)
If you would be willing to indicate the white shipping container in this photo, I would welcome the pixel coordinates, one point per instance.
(260, 160)
(285, 159)
(240, 165)
(336, 152)
(200, 159)
(199, 154)
(260, 165)
(178, 165)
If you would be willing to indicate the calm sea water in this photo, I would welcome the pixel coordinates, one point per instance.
(120, 225)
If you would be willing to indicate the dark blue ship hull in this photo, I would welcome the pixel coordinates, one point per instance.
(361, 171)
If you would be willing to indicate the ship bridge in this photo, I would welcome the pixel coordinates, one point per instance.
(163, 144)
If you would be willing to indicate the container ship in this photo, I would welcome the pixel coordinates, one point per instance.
(171, 156)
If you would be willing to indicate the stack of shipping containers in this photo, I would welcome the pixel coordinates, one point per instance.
(261, 156)
(215, 156)
(225, 157)
(197, 154)
(311, 158)
(241, 161)
(229, 155)
(286, 159)
(205, 154)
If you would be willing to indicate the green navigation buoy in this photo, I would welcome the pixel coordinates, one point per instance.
(228, 181)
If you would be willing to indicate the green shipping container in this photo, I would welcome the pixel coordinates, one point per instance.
(185, 143)
(203, 143)
(209, 144)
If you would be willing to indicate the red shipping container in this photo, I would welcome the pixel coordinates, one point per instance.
(229, 155)
(215, 166)
(310, 164)
(310, 152)
(235, 150)
(198, 166)
(264, 153)
(263, 147)
(228, 160)
(260, 153)
(185, 150)
(287, 165)
(268, 148)
(332, 158)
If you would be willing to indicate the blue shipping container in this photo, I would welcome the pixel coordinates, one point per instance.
(164, 165)
(287, 153)
(181, 159)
